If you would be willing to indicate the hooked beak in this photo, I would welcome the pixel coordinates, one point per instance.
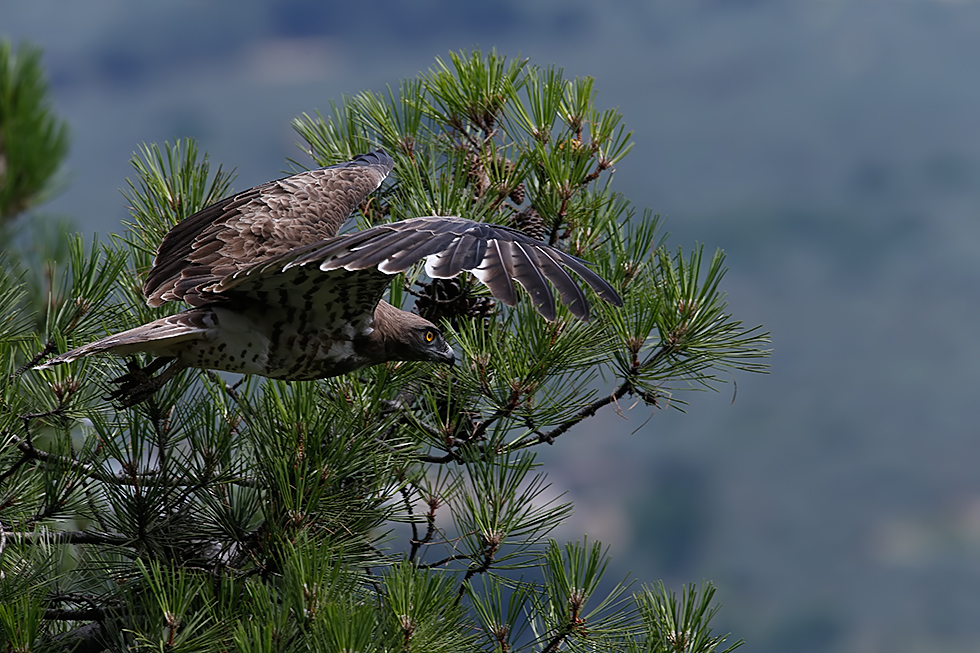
(449, 356)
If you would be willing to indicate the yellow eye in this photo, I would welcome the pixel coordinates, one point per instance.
(429, 336)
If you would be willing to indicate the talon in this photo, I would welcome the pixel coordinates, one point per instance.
(139, 384)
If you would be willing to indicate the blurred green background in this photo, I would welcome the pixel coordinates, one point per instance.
(829, 146)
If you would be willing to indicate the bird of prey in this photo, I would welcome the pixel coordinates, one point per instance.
(275, 291)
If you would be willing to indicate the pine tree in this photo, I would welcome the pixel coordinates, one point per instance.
(399, 508)
(32, 140)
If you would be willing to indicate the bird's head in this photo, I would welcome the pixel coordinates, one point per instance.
(409, 337)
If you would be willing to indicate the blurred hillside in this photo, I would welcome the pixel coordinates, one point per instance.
(829, 146)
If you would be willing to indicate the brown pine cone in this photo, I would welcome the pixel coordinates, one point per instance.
(518, 195)
(451, 299)
(529, 221)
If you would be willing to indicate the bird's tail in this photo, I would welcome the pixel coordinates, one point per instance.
(158, 338)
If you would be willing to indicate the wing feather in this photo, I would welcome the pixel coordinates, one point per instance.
(569, 292)
(415, 251)
(467, 253)
(382, 250)
(528, 272)
(496, 271)
(597, 283)
(258, 224)
(496, 255)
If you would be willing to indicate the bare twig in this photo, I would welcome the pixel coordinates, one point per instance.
(13, 468)
(415, 529)
(444, 561)
(439, 460)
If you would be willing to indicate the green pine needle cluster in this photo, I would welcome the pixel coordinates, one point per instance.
(398, 508)
(32, 140)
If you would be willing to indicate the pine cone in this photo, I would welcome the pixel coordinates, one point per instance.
(478, 177)
(451, 299)
(529, 221)
(518, 195)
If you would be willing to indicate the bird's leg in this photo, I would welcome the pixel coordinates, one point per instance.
(139, 384)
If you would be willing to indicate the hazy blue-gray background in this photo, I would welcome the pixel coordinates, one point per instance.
(829, 146)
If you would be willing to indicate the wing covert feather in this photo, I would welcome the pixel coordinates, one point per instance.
(259, 224)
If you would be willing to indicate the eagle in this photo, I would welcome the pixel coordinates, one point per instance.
(275, 290)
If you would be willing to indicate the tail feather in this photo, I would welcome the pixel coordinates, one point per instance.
(157, 338)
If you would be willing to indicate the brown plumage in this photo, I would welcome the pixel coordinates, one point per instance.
(257, 224)
(275, 291)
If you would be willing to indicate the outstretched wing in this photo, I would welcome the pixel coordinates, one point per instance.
(258, 224)
(496, 255)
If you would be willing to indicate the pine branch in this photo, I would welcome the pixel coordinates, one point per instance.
(439, 460)
(588, 411)
(92, 613)
(556, 641)
(84, 614)
(151, 478)
(90, 638)
(445, 561)
(430, 520)
(13, 468)
(489, 551)
(627, 387)
(69, 537)
(49, 348)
